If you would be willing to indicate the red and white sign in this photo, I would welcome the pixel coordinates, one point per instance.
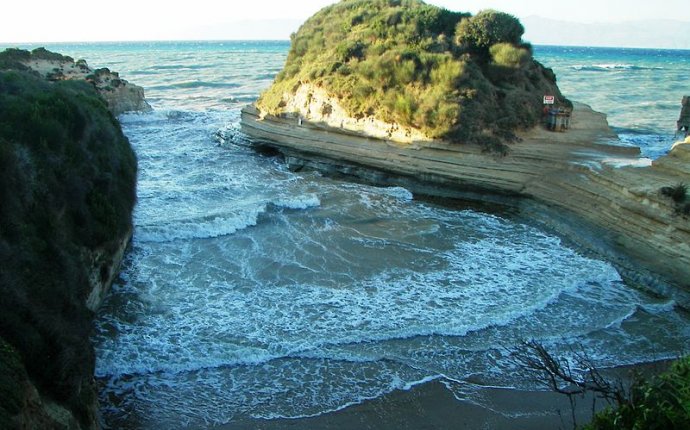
(549, 100)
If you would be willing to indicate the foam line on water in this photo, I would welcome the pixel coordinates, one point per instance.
(298, 202)
(200, 228)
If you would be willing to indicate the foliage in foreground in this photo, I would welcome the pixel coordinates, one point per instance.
(12, 377)
(449, 74)
(661, 402)
(67, 185)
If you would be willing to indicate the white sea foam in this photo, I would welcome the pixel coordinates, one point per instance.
(200, 228)
(613, 67)
(399, 193)
(342, 292)
(298, 202)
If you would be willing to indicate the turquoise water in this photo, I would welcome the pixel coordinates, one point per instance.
(252, 291)
(639, 89)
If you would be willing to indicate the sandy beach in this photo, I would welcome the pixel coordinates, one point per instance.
(440, 404)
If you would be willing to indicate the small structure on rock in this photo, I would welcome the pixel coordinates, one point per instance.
(557, 118)
(684, 120)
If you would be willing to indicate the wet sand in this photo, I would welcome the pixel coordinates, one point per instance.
(434, 405)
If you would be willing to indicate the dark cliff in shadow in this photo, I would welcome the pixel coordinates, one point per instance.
(68, 188)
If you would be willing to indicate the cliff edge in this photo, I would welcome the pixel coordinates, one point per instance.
(68, 188)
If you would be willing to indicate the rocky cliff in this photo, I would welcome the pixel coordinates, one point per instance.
(121, 95)
(67, 186)
(598, 194)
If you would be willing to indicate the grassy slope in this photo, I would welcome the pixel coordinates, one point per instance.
(446, 73)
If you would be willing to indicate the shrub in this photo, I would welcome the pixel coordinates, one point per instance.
(685, 210)
(44, 54)
(660, 403)
(488, 28)
(678, 192)
(508, 55)
(67, 184)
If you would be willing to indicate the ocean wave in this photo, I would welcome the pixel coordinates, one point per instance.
(647, 308)
(611, 67)
(194, 85)
(239, 99)
(151, 365)
(200, 228)
(298, 202)
(181, 116)
(395, 384)
(399, 193)
(218, 225)
(183, 67)
(264, 76)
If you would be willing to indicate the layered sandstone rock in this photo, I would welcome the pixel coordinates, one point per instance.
(581, 183)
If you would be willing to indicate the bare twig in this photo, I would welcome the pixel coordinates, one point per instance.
(571, 379)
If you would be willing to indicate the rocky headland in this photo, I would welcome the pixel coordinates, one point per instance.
(121, 95)
(338, 113)
(68, 188)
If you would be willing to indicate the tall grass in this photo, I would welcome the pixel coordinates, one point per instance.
(449, 74)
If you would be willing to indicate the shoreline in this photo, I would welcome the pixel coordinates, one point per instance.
(438, 404)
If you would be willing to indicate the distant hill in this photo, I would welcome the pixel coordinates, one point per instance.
(634, 34)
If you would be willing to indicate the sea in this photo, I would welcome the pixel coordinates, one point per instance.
(254, 292)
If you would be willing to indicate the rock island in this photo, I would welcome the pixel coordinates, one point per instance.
(452, 105)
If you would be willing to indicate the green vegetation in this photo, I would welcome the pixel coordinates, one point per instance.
(488, 28)
(12, 58)
(67, 186)
(451, 75)
(662, 402)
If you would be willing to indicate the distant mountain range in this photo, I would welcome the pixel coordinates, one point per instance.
(635, 34)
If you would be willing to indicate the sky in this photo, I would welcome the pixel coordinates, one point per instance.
(127, 20)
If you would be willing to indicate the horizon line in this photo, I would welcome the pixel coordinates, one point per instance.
(94, 42)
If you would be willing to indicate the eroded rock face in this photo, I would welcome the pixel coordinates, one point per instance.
(120, 95)
(316, 105)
